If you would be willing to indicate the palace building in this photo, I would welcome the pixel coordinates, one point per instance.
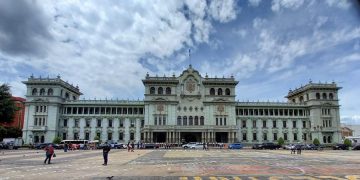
(181, 109)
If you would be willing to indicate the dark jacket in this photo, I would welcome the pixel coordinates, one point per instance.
(106, 149)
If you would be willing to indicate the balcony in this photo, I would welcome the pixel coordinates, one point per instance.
(39, 128)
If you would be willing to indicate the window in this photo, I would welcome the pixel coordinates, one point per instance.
(324, 96)
(76, 136)
(212, 91)
(34, 92)
(179, 120)
(191, 121)
(331, 96)
(110, 123)
(317, 95)
(67, 96)
(243, 123)
(109, 136)
(102, 110)
(99, 123)
(168, 90)
(121, 136)
(152, 90)
(88, 122)
(77, 123)
(254, 137)
(35, 122)
(132, 123)
(164, 120)
(294, 124)
(121, 123)
(132, 136)
(86, 110)
(284, 124)
(224, 121)
(64, 136)
(295, 137)
(160, 90)
(227, 91)
(50, 92)
(217, 121)
(244, 136)
(202, 120)
(274, 124)
(113, 110)
(129, 110)
(160, 120)
(155, 120)
(65, 122)
(196, 121)
(304, 124)
(265, 136)
(285, 137)
(185, 121)
(264, 124)
(220, 92)
(305, 136)
(98, 135)
(301, 99)
(42, 92)
(275, 136)
(141, 111)
(87, 136)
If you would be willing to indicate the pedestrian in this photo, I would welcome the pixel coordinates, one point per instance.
(207, 146)
(106, 150)
(128, 146)
(299, 150)
(132, 146)
(49, 153)
(66, 147)
(204, 146)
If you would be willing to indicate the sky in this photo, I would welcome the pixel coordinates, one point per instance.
(107, 47)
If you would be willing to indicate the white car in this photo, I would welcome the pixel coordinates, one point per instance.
(197, 146)
(185, 146)
(289, 146)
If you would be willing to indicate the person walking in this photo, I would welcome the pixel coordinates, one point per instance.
(49, 153)
(204, 146)
(132, 146)
(66, 147)
(128, 146)
(106, 150)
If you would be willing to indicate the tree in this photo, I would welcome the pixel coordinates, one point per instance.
(7, 105)
(347, 142)
(316, 142)
(57, 140)
(97, 138)
(281, 141)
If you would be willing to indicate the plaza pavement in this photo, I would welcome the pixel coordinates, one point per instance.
(216, 164)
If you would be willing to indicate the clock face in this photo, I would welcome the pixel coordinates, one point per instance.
(190, 85)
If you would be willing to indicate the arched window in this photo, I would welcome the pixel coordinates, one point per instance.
(329, 139)
(152, 90)
(179, 120)
(160, 90)
(227, 91)
(293, 100)
(212, 91)
(191, 121)
(324, 96)
(317, 95)
(34, 92)
(331, 96)
(202, 120)
(301, 99)
(220, 92)
(185, 121)
(50, 92)
(324, 138)
(67, 96)
(168, 90)
(196, 121)
(74, 97)
(42, 92)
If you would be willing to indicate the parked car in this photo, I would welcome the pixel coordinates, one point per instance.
(289, 146)
(299, 146)
(257, 146)
(340, 147)
(270, 146)
(310, 147)
(235, 146)
(356, 147)
(196, 146)
(151, 146)
(120, 146)
(185, 146)
(43, 145)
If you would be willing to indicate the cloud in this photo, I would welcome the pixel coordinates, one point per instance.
(350, 120)
(254, 3)
(343, 4)
(345, 60)
(277, 5)
(223, 10)
(23, 28)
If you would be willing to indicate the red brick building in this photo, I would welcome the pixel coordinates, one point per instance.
(18, 120)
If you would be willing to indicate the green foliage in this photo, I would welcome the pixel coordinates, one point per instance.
(316, 142)
(97, 138)
(7, 105)
(9, 132)
(57, 140)
(281, 141)
(347, 142)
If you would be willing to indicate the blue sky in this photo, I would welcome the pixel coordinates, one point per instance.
(107, 48)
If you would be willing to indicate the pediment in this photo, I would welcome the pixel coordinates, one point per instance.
(221, 100)
(160, 99)
(39, 100)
